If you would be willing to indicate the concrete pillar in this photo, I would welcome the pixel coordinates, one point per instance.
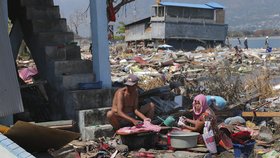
(16, 37)
(4, 5)
(100, 43)
(7, 120)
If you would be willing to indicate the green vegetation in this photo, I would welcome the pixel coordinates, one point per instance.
(118, 38)
(9, 26)
(121, 28)
(120, 32)
(24, 52)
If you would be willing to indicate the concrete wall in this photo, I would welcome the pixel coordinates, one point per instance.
(215, 32)
(137, 32)
(158, 30)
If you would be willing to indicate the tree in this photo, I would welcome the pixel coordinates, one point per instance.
(122, 3)
(121, 31)
(76, 20)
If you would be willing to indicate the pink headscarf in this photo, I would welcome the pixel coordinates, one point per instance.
(202, 100)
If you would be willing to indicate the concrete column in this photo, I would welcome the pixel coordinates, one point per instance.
(4, 5)
(7, 120)
(100, 43)
(16, 37)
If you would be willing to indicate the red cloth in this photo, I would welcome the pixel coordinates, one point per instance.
(147, 127)
(140, 60)
(240, 137)
(111, 11)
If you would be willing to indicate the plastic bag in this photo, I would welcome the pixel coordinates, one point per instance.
(209, 141)
(209, 138)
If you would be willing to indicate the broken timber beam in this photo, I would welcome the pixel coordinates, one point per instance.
(62, 124)
(261, 114)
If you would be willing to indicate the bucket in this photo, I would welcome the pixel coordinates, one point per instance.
(243, 151)
(169, 121)
(183, 139)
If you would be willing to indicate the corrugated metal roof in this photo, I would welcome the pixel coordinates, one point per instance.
(10, 97)
(215, 5)
(13, 148)
(188, 5)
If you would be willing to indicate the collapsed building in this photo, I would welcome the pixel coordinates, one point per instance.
(182, 25)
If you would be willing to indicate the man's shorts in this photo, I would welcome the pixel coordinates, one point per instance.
(125, 123)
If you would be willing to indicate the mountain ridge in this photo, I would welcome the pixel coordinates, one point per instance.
(240, 14)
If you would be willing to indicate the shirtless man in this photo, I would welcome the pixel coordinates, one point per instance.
(125, 111)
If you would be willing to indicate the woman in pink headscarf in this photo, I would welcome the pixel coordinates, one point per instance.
(201, 113)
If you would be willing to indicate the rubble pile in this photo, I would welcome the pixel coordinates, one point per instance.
(248, 80)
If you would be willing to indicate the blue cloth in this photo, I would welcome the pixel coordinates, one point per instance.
(217, 102)
(269, 49)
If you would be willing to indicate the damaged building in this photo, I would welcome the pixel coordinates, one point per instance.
(182, 25)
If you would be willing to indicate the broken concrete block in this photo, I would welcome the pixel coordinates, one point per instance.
(93, 132)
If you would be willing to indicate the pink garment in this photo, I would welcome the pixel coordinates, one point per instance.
(27, 73)
(147, 127)
(202, 100)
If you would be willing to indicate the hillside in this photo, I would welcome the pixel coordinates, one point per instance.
(240, 14)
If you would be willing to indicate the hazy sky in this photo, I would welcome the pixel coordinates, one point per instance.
(68, 7)
(131, 12)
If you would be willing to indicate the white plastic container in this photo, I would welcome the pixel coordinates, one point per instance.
(183, 139)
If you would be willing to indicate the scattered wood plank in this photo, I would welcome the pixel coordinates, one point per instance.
(198, 149)
(63, 124)
(261, 114)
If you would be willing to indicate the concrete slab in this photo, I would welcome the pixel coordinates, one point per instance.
(71, 82)
(42, 12)
(72, 67)
(89, 99)
(93, 117)
(55, 38)
(37, 2)
(49, 25)
(93, 132)
(65, 52)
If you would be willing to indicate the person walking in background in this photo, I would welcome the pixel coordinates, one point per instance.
(266, 44)
(228, 43)
(245, 43)
(239, 42)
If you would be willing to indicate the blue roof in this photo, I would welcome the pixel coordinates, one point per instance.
(187, 5)
(210, 5)
(215, 5)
